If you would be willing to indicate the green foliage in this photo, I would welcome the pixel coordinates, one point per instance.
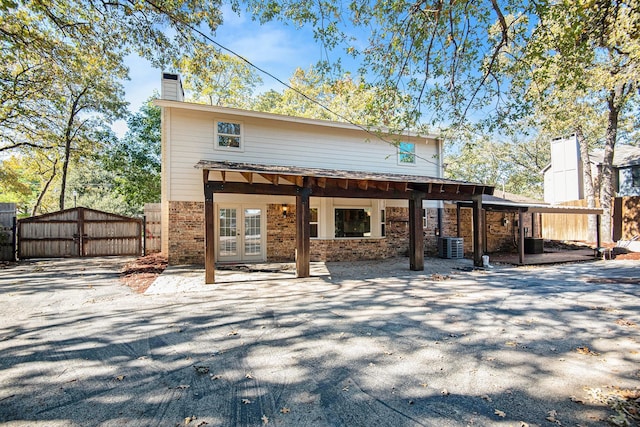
(215, 78)
(514, 166)
(134, 161)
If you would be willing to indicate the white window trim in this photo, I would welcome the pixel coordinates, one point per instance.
(401, 163)
(216, 146)
(371, 222)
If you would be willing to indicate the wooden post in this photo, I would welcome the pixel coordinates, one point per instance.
(303, 234)
(533, 225)
(80, 213)
(478, 238)
(458, 221)
(209, 233)
(416, 233)
(598, 236)
(521, 236)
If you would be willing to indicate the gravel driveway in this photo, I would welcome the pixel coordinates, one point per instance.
(370, 344)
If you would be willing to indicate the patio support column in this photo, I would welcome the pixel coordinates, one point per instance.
(303, 233)
(458, 221)
(521, 236)
(478, 237)
(598, 237)
(209, 233)
(416, 233)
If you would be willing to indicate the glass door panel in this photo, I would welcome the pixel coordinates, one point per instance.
(252, 234)
(228, 245)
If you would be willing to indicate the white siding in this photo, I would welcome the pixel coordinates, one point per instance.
(191, 139)
(563, 181)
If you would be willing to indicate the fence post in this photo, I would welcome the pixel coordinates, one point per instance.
(14, 239)
(144, 235)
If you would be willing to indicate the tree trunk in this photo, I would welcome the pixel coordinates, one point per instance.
(68, 139)
(606, 173)
(36, 207)
(587, 177)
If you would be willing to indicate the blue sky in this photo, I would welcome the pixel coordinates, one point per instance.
(274, 47)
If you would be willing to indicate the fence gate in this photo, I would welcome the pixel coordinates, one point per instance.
(7, 231)
(79, 232)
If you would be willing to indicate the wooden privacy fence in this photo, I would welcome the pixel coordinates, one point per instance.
(7, 231)
(79, 232)
(625, 221)
(152, 228)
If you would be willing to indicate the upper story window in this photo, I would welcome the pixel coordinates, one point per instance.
(635, 176)
(407, 153)
(228, 136)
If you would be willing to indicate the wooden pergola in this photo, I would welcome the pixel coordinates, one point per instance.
(303, 183)
(502, 205)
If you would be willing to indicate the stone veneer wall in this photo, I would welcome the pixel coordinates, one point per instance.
(186, 233)
(281, 233)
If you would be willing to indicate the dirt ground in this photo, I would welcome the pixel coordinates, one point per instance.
(361, 344)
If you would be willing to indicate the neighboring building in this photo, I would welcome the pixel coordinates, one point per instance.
(361, 183)
(563, 177)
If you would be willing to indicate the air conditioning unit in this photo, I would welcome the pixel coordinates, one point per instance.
(451, 247)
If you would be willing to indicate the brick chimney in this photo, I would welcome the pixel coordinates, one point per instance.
(171, 89)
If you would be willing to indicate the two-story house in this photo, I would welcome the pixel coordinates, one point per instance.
(242, 186)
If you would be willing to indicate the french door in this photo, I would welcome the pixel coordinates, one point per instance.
(240, 233)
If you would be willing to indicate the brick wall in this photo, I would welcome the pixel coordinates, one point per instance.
(281, 233)
(186, 233)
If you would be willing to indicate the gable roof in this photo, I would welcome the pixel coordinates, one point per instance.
(623, 156)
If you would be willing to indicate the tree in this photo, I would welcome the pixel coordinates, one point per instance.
(135, 160)
(581, 71)
(216, 78)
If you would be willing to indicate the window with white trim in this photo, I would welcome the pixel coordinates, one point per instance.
(353, 222)
(228, 136)
(383, 223)
(313, 222)
(406, 153)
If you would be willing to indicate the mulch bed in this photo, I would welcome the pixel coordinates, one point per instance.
(141, 273)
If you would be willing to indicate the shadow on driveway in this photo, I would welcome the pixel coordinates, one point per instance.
(509, 346)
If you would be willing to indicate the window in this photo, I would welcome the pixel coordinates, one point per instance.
(407, 153)
(383, 231)
(353, 222)
(228, 135)
(635, 176)
(313, 222)
(424, 219)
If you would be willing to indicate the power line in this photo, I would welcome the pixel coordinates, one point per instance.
(305, 96)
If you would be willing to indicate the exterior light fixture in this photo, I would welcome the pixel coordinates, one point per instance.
(285, 209)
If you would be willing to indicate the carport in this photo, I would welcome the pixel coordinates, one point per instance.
(491, 203)
(246, 178)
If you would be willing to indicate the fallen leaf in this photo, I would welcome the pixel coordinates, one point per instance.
(500, 413)
(487, 398)
(587, 351)
(120, 377)
(577, 400)
(232, 333)
(189, 419)
(201, 369)
(625, 322)
(511, 344)
(551, 416)
(215, 377)
(285, 410)
(424, 384)
(246, 401)
(249, 376)
(346, 388)
(182, 386)
(265, 420)
(445, 392)
(203, 423)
